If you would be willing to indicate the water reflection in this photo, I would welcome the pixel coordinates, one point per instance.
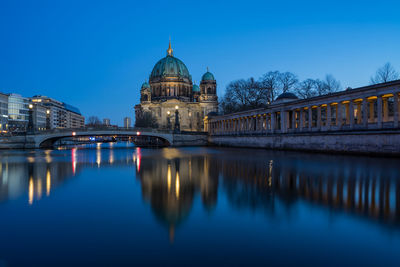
(171, 179)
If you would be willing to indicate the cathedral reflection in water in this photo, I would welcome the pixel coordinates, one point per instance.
(253, 180)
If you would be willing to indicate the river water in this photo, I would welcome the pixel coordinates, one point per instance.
(115, 204)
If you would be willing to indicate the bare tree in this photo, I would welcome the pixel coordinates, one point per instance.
(331, 85)
(288, 81)
(271, 83)
(243, 95)
(307, 88)
(385, 74)
(94, 121)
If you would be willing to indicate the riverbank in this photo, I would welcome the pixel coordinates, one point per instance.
(384, 143)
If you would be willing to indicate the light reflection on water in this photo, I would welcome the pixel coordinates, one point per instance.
(194, 194)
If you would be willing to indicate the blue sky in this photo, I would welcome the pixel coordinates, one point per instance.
(96, 54)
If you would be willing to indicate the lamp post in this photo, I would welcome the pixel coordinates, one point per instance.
(30, 121)
(48, 119)
(177, 127)
(168, 120)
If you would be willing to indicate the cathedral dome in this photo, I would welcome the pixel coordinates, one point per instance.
(170, 66)
(208, 76)
(195, 88)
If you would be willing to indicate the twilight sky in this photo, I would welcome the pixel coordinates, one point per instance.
(96, 54)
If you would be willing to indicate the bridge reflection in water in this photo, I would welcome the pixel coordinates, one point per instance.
(251, 179)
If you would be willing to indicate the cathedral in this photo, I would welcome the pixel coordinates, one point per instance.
(171, 96)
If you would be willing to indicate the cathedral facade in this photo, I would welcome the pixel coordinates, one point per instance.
(170, 94)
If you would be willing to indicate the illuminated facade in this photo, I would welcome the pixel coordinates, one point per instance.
(17, 112)
(170, 87)
(3, 112)
(61, 115)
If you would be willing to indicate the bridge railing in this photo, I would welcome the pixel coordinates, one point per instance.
(118, 129)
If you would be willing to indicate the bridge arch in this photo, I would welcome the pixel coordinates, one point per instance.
(48, 139)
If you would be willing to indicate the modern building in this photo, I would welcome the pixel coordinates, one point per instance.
(39, 113)
(3, 112)
(18, 116)
(106, 122)
(61, 115)
(171, 94)
(127, 122)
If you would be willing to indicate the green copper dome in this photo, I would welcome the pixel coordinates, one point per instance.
(208, 76)
(145, 85)
(195, 88)
(170, 67)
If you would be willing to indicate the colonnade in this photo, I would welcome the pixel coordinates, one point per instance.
(355, 109)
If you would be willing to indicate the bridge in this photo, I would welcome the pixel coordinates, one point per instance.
(43, 139)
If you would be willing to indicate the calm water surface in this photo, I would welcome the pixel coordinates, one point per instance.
(116, 204)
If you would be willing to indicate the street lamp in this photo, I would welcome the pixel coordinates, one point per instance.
(177, 127)
(48, 119)
(168, 120)
(30, 119)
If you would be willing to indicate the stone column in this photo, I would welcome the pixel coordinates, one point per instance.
(379, 107)
(351, 114)
(309, 118)
(328, 116)
(301, 119)
(385, 110)
(294, 120)
(396, 110)
(346, 108)
(273, 121)
(371, 111)
(339, 115)
(319, 119)
(359, 119)
(264, 126)
(283, 121)
(365, 112)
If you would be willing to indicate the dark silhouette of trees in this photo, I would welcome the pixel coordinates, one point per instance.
(271, 82)
(307, 88)
(94, 121)
(243, 95)
(288, 81)
(310, 87)
(248, 94)
(145, 119)
(385, 74)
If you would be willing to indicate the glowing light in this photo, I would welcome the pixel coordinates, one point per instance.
(30, 106)
(48, 111)
(168, 112)
(73, 157)
(73, 133)
(48, 182)
(176, 107)
(138, 158)
(177, 185)
(39, 188)
(30, 191)
(98, 155)
(111, 160)
(169, 178)
(137, 133)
